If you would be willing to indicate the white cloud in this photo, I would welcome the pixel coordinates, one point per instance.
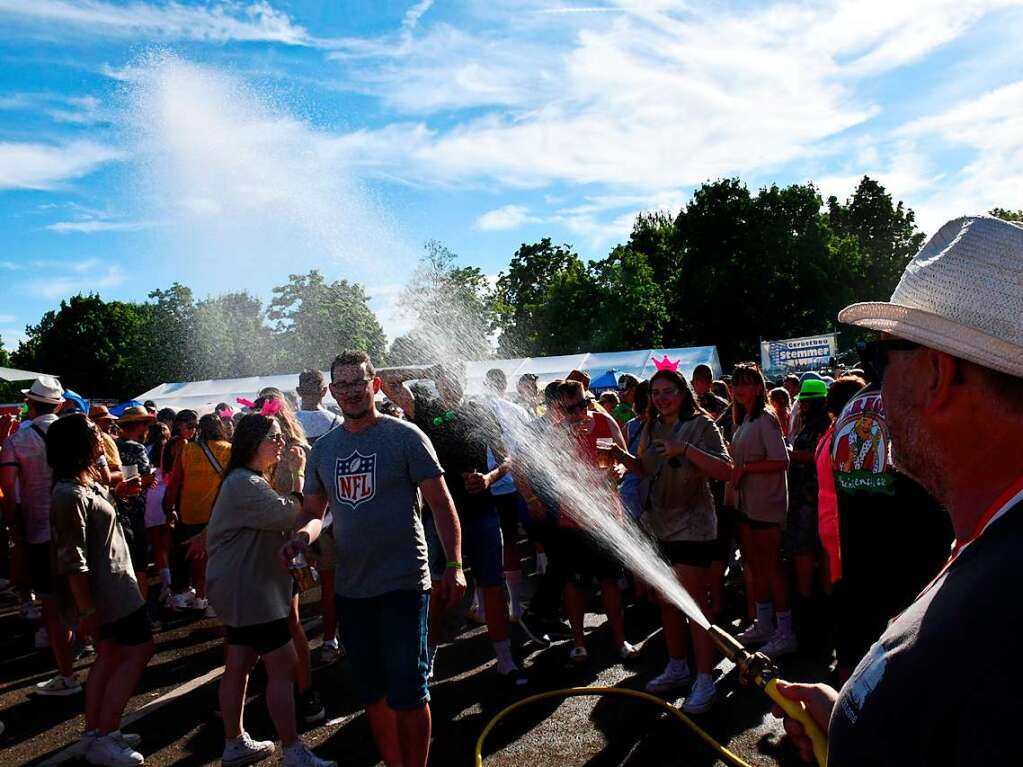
(45, 166)
(215, 22)
(63, 286)
(507, 217)
(93, 226)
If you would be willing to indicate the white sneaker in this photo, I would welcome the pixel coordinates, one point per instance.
(675, 675)
(130, 739)
(781, 643)
(330, 651)
(112, 751)
(42, 639)
(755, 634)
(200, 603)
(299, 755)
(59, 687)
(244, 750)
(183, 601)
(701, 697)
(628, 652)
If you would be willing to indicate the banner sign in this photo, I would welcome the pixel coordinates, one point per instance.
(798, 353)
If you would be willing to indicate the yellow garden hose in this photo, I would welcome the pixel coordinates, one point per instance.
(572, 692)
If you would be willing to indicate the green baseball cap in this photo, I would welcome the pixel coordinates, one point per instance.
(812, 389)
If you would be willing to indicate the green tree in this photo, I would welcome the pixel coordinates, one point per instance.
(88, 343)
(316, 319)
(452, 309)
(633, 310)
(5, 357)
(765, 266)
(885, 233)
(1007, 215)
(231, 337)
(520, 294)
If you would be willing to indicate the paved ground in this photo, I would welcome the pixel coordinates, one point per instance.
(177, 698)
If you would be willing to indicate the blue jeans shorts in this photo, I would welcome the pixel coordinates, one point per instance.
(385, 638)
(482, 548)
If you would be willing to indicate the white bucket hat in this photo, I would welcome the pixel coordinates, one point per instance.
(961, 294)
(45, 389)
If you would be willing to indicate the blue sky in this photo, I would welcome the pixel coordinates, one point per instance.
(227, 144)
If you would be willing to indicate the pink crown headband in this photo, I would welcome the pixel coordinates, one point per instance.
(271, 406)
(666, 364)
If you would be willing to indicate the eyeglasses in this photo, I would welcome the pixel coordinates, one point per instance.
(359, 383)
(277, 438)
(874, 354)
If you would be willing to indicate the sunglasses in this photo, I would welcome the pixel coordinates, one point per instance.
(577, 407)
(277, 438)
(874, 354)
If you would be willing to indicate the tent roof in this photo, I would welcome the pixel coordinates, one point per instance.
(13, 374)
(203, 396)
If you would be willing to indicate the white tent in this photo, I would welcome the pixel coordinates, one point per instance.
(203, 396)
(13, 374)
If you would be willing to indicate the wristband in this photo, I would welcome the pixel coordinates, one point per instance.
(454, 566)
(86, 613)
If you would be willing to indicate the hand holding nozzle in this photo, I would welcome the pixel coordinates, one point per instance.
(761, 671)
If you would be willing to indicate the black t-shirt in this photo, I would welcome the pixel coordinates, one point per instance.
(893, 536)
(941, 686)
(461, 436)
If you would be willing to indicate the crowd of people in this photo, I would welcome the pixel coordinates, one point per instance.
(413, 489)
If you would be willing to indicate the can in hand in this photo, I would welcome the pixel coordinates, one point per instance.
(303, 573)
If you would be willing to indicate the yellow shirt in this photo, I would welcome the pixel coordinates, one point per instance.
(200, 481)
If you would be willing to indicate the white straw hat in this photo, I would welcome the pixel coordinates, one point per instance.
(961, 294)
(45, 389)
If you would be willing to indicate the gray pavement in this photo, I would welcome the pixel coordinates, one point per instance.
(178, 692)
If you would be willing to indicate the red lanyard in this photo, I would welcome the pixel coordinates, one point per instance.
(1000, 505)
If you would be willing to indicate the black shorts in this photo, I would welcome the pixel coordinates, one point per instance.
(728, 531)
(584, 559)
(264, 638)
(132, 629)
(134, 527)
(756, 524)
(692, 553)
(40, 568)
(508, 510)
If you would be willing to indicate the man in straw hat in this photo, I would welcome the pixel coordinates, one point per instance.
(23, 463)
(940, 686)
(105, 420)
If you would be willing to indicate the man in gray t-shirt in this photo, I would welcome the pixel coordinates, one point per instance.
(371, 472)
(370, 479)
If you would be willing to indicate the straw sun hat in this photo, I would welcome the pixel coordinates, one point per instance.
(961, 294)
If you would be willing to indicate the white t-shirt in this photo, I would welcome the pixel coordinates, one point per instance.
(26, 450)
(317, 422)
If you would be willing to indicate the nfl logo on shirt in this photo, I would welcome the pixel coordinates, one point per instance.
(356, 478)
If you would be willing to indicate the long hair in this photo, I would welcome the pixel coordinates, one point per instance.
(251, 431)
(183, 416)
(293, 432)
(156, 440)
(211, 429)
(749, 372)
(72, 446)
(689, 406)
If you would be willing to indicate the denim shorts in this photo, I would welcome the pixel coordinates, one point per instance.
(482, 548)
(385, 638)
